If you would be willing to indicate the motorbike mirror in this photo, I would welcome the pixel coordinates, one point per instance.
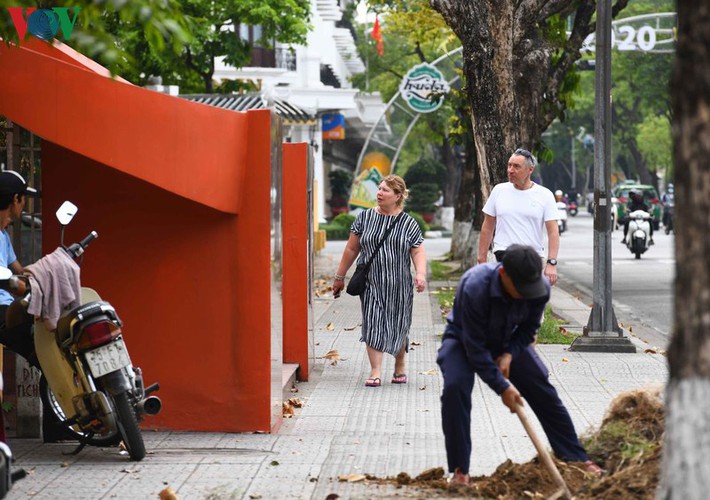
(66, 212)
(5, 273)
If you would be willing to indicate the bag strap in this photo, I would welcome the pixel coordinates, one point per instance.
(387, 233)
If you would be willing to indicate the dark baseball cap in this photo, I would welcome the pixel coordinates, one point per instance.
(524, 267)
(11, 182)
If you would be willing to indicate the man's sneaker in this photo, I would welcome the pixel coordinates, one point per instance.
(650, 242)
(623, 241)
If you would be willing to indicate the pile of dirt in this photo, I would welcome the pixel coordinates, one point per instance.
(627, 446)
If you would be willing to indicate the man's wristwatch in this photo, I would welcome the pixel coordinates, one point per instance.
(552, 262)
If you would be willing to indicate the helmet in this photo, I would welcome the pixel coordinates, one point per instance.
(635, 195)
(558, 193)
(670, 188)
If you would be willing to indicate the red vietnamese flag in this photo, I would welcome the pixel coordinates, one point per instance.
(377, 36)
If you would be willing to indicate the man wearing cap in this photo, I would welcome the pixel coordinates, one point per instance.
(13, 192)
(489, 333)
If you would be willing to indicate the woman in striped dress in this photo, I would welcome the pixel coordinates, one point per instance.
(388, 296)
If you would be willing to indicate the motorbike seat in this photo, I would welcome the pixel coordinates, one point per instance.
(90, 310)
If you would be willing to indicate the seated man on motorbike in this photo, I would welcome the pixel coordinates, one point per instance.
(636, 203)
(668, 202)
(13, 193)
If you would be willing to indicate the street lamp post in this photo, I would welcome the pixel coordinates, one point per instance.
(602, 333)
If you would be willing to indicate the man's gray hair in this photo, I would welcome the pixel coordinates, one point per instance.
(530, 160)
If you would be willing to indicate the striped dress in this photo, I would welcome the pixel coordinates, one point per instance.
(389, 292)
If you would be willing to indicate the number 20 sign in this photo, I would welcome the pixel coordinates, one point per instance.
(646, 38)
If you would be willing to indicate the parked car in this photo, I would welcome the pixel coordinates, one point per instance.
(650, 196)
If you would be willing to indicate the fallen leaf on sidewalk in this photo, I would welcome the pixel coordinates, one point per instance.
(631, 328)
(295, 402)
(416, 343)
(330, 327)
(565, 360)
(650, 351)
(433, 371)
(287, 410)
(422, 388)
(333, 356)
(168, 494)
(351, 328)
(274, 462)
(352, 478)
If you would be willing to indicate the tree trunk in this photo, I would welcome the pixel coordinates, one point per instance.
(467, 212)
(686, 459)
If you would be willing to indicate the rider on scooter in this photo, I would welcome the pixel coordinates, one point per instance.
(636, 203)
(13, 193)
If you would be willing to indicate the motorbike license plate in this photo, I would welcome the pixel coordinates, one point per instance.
(108, 358)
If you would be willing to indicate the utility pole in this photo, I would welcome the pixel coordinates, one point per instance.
(602, 333)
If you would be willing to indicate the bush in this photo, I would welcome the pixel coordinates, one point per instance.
(420, 220)
(422, 197)
(426, 171)
(344, 220)
(335, 232)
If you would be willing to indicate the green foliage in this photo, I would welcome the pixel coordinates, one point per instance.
(344, 220)
(551, 332)
(629, 442)
(443, 271)
(335, 232)
(422, 197)
(654, 140)
(161, 25)
(340, 182)
(175, 40)
(426, 171)
(445, 296)
(423, 226)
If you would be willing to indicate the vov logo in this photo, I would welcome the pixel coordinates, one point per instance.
(43, 23)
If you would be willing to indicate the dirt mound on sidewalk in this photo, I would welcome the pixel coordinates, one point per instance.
(627, 446)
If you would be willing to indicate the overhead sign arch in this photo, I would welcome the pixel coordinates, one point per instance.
(652, 33)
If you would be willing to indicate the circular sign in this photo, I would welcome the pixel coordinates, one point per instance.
(424, 88)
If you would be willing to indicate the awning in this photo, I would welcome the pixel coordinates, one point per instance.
(243, 102)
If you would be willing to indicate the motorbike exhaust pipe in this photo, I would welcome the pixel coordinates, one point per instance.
(150, 405)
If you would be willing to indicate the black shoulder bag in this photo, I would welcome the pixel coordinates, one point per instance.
(357, 283)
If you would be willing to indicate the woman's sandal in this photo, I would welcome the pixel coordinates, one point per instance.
(399, 378)
(373, 382)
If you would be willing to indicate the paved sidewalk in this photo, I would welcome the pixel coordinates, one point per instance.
(343, 427)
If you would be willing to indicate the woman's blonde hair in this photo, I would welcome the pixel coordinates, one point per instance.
(398, 186)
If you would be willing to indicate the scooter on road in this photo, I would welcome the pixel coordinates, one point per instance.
(639, 231)
(88, 381)
(562, 216)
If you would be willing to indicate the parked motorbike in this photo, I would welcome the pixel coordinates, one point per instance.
(88, 381)
(668, 213)
(639, 230)
(562, 216)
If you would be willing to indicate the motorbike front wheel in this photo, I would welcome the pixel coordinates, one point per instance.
(55, 416)
(128, 426)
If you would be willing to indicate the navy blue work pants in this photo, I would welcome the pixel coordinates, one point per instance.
(530, 376)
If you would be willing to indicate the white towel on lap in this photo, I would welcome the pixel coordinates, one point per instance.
(56, 286)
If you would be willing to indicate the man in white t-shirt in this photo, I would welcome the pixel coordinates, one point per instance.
(517, 212)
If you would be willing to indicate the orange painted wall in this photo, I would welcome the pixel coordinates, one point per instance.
(193, 150)
(180, 194)
(296, 328)
(185, 279)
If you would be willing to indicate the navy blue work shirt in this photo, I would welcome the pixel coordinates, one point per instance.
(488, 322)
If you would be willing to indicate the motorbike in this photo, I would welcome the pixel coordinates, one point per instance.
(573, 208)
(88, 382)
(668, 212)
(639, 230)
(562, 216)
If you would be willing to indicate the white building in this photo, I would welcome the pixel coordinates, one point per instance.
(315, 78)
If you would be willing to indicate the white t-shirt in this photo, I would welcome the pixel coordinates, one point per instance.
(520, 215)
